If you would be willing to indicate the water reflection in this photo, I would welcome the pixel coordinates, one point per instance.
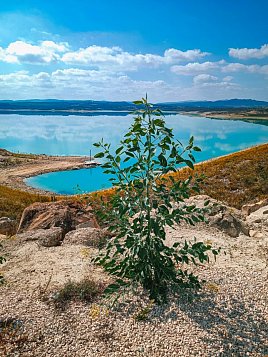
(75, 135)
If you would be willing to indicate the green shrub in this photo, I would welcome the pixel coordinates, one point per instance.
(144, 203)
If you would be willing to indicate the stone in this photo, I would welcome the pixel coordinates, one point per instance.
(259, 217)
(230, 224)
(93, 237)
(7, 226)
(250, 208)
(51, 237)
(221, 216)
(66, 214)
(255, 234)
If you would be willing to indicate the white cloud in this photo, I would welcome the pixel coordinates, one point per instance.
(228, 79)
(193, 68)
(239, 67)
(173, 55)
(23, 52)
(117, 58)
(202, 78)
(247, 53)
(209, 81)
(82, 84)
(100, 57)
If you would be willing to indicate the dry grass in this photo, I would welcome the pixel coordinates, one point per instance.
(235, 179)
(13, 202)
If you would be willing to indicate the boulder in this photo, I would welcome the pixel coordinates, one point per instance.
(229, 223)
(65, 214)
(93, 237)
(51, 237)
(225, 218)
(7, 226)
(258, 217)
(253, 207)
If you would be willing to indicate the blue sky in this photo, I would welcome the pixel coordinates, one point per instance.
(119, 50)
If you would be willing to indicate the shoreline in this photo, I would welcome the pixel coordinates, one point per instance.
(225, 115)
(212, 114)
(14, 176)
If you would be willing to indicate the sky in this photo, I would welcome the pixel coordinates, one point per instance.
(174, 50)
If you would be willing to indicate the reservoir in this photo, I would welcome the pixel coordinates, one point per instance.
(75, 135)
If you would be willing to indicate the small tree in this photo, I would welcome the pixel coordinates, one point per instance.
(144, 203)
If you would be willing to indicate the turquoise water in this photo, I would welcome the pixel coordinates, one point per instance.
(75, 135)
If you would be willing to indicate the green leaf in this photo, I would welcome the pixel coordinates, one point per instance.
(189, 164)
(99, 155)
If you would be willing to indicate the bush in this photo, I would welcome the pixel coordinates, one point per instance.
(144, 203)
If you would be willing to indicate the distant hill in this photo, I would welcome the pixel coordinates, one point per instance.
(218, 104)
(67, 106)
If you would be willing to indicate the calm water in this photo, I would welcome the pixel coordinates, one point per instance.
(75, 135)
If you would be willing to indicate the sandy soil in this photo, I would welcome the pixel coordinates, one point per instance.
(228, 317)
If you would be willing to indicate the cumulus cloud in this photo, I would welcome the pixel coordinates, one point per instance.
(116, 57)
(23, 52)
(82, 84)
(46, 52)
(194, 68)
(209, 81)
(202, 78)
(247, 53)
(239, 67)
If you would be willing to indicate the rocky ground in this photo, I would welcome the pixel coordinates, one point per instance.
(228, 317)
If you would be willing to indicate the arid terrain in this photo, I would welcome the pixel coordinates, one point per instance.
(227, 317)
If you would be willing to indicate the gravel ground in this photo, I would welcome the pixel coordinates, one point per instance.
(228, 317)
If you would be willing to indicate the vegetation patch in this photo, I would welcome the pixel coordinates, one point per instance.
(236, 179)
(13, 202)
(86, 290)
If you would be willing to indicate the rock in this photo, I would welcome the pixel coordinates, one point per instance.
(7, 226)
(260, 216)
(227, 219)
(255, 234)
(88, 224)
(65, 214)
(51, 237)
(230, 224)
(93, 237)
(250, 208)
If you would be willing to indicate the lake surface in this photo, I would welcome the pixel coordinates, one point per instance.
(75, 135)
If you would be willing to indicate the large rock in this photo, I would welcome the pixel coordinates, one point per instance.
(65, 214)
(51, 237)
(259, 217)
(250, 208)
(93, 237)
(219, 215)
(7, 226)
(229, 223)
